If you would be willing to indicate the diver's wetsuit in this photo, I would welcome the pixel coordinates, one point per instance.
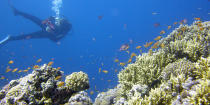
(55, 35)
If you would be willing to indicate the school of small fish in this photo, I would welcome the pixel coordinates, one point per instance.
(151, 45)
(8, 69)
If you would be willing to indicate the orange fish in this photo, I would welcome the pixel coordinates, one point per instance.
(2, 77)
(39, 60)
(201, 28)
(58, 77)
(15, 70)
(175, 23)
(138, 47)
(162, 32)
(130, 60)
(25, 70)
(11, 62)
(200, 25)
(197, 18)
(122, 64)
(36, 66)
(155, 45)
(58, 68)
(116, 60)
(60, 84)
(198, 22)
(158, 38)
(105, 71)
(169, 27)
(8, 70)
(124, 47)
(50, 63)
(132, 55)
(148, 44)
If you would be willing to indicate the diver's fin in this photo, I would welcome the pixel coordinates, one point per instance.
(15, 11)
(4, 41)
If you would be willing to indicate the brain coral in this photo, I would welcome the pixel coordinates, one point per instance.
(77, 81)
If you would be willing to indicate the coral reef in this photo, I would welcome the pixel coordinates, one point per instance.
(176, 73)
(77, 81)
(146, 70)
(80, 98)
(44, 87)
(108, 98)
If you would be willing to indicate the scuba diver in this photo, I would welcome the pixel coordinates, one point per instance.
(52, 28)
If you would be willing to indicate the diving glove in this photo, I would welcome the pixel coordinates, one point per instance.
(4, 41)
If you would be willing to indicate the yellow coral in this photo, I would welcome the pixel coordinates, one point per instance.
(203, 68)
(145, 70)
(202, 96)
(187, 49)
(77, 81)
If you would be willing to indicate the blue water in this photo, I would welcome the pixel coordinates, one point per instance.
(123, 22)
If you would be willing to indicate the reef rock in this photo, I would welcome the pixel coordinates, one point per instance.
(44, 86)
(80, 98)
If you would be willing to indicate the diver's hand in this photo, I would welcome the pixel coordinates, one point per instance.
(4, 41)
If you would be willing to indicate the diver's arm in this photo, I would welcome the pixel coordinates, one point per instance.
(34, 35)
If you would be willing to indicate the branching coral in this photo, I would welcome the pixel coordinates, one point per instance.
(203, 68)
(181, 66)
(188, 41)
(183, 63)
(145, 70)
(157, 96)
(202, 96)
